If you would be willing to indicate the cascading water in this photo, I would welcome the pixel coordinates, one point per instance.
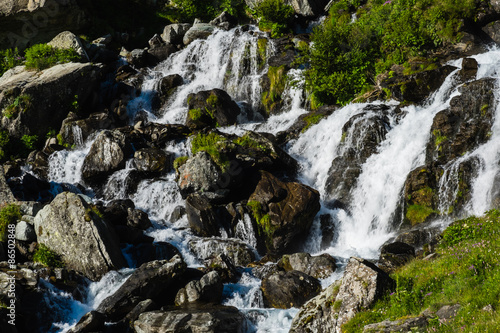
(229, 60)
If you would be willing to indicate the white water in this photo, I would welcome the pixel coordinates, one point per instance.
(217, 63)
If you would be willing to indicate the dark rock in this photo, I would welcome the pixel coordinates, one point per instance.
(150, 281)
(327, 230)
(237, 251)
(283, 212)
(30, 188)
(178, 213)
(166, 87)
(469, 69)
(116, 212)
(319, 267)
(93, 321)
(138, 219)
(207, 290)
(224, 266)
(69, 227)
(225, 21)
(266, 270)
(159, 134)
(75, 131)
(152, 161)
(204, 218)
(394, 255)
(211, 108)
(210, 319)
(130, 235)
(137, 58)
(158, 53)
(148, 251)
(144, 306)
(284, 290)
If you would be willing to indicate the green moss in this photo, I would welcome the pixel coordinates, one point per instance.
(262, 51)
(195, 114)
(439, 139)
(247, 142)
(213, 144)
(312, 119)
(9, 214)
(22, 103)
(417, 214)
(180, 161)
(47, 257)
(271, 100)
(484, 109)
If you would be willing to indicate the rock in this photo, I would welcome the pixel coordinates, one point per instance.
(198, 31)
(137, 58)
(362, 284)
(283, 212)
(178, 213)
(138, 219)
(401, 325)
(236, 250)
(205, 219)
(150, 281)
(25, 232)
(211, 108)
(213, 319)
(225, 21)
(469, 69)
(207, 290)
(117, 211)
(148, 251)
(285, 290)
(166, 88)
(104, 40)
(319, 267)
(144, 306)
(152, 160)
(69, 227)
(448, 312)
(223, 265)
(68, 40)
(159, 134)
(156, 40)
(419, 196)
(261, 272)
(394, 255)
(158, 53)
(174, 33)
(75, 131)
(26, 23)
(42, 108)
(6, 195)
(107, 155)
(93, 321)
(327, 230)
(199, 174)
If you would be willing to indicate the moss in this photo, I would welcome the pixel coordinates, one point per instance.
(21, 103)
(213, 144)
(47, 257)
(336, 306)
(311, 119)
(9, 214)
(484, 109)
(271, 100)
(262, 51)
(195, 114)
(417, 214)
(439, 139)
(247, 142)
(180, 161)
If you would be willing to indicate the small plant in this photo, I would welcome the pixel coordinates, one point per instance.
(212, 144)
(8, 215)
(41, 56)
(180, 161)
(29, 141)
(47, 257)
(75, 104)
(21, 104)
(8, 59)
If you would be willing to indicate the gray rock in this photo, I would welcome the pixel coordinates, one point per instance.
(236, 250)
(25, 232)
(152, 160)
(174, 33)
(92, 321)
(198, 31)
(138, 219)
(150, 281)
(68, 40)
(144, 306)
(448, 312)
(205, 219)
(199, 174)
(69, 228)
(6, 195)
(215, 319)
(75, 131)
(105, 40)
(137, 57)
(321, 266)
(225, 21)
(401, 325)
(207, 290)
(156, 40)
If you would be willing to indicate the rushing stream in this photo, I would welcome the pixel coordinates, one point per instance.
(228, 60)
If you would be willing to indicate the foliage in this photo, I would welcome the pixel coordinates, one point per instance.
(211, 143)
(347, 54)
(8, 59)
(417, 214)
(47, 257)
(180, 161)
(274, 16)
(466, 272)
(246, 141)
(206, 10)
(21, 104)
(41, 56)
(312, 119)
(9, 214)
(29, 141)
(277, 77)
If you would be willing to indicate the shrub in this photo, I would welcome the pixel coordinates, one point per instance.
(206, 10)
(8, 215)
(29, 141)
(47, 257)
(41, 56)
(8, 59)
(274, 16)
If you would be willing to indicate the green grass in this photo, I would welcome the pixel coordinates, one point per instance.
(417, 214)
(466, 272)
(246, 141)
(47, 257)
(41, 56)
(9, 214)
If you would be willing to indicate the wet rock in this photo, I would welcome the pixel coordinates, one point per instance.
(210, 319)
(166, 87)
(198, 31)
(69, 227)
(138, 219)
(319, 267)
(144, 306)
(266, 270)
(159, 134)
(283, 212)
(284, 290)
(206, 219)
(327, 230)
(152, 161)
(116, 212)
(150, 281)
(158, 53)
(236, 250)
(92, 321)
(199, 174)
(137, 58)
(148, 251)
(211, 108)
(68, 40)
(178, 213)
(75, 131)
(174, 33)
(225, 21)
(469, 69)
(207, 290)
(41, 108)
(419, 195)
(224, 266)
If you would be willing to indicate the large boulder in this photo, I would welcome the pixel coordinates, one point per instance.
(44, 98)
(284, 212)
(174, 33)
(199, 174)
(319, 267)
(27, 23)
(362, 284)
(69, 227)
(211, 108)
(198, 31)
(68, 40)
(75, 131)
(210, 319)
(237, 251)
(207, 290)
(153, 280)
(152, 161)
(206, 219)
(285, 290)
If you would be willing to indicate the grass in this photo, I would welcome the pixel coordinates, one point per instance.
(9, 214)
(47, 257)
(180, 161)
(246, 141)
(466, 272)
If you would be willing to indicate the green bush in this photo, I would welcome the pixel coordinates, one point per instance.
(274, 16)
(29, 141)
(41, 56)
(8, 59)
(206, 10)
(8, 215)
(47, 257)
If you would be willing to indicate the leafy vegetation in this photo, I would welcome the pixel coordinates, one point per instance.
(47, 257)
(9, 214)
(41, 56)
(274, 16)
(8, 59)
(348, 54)
(20, 104)
(466, 271)
(206, 10)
